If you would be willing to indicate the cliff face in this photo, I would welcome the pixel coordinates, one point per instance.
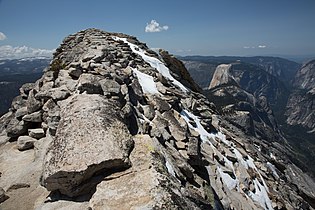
(201, 72)
(202, 67)
(280, 68)
(300, 107)
(231, 90)
(251, 78)
(111, 126)
(222, 76)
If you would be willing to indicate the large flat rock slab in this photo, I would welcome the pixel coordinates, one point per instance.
(20, 172)
(134, 188)
(91, 137)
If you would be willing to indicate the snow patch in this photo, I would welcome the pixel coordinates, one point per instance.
(229, 163)
(204, 135)
(258, 147)
(154, 62)
(222, 137)
(261, 195)
(250, 163)
(272, 156)
(292, 171)
(261, 190)
(240, 158)
(227, 179)
(273, 170)
(146, 81)
(170, 168)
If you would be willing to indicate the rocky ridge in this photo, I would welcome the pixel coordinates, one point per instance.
(300, 107)
(116, 126)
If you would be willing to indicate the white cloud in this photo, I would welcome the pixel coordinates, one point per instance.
(10, 52)
(154, 26)
(262, 46)
(2, 36)
(253, 47)
(183, 50)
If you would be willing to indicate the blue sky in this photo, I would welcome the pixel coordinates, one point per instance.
(187, 27)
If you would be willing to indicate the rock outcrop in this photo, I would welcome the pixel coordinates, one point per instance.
(300, 107)
(222, 76)
(114, 127)
(246, 110)
(179, 71)
(90, 137)
(202, 68)
(254, 80)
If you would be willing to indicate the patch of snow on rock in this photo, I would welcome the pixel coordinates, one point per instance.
(204, 135)
(227, 179)
(261, 195)
(273, 170)
(272, 156)
(261, 190)
(170, 168)
(146, 81)
(154, 62)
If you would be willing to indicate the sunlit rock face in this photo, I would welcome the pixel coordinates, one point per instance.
(300, 107)
(121, 128)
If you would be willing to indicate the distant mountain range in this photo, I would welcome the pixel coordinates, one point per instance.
(268, 89)
(203, 67)
(16, 72)
(23, 66)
